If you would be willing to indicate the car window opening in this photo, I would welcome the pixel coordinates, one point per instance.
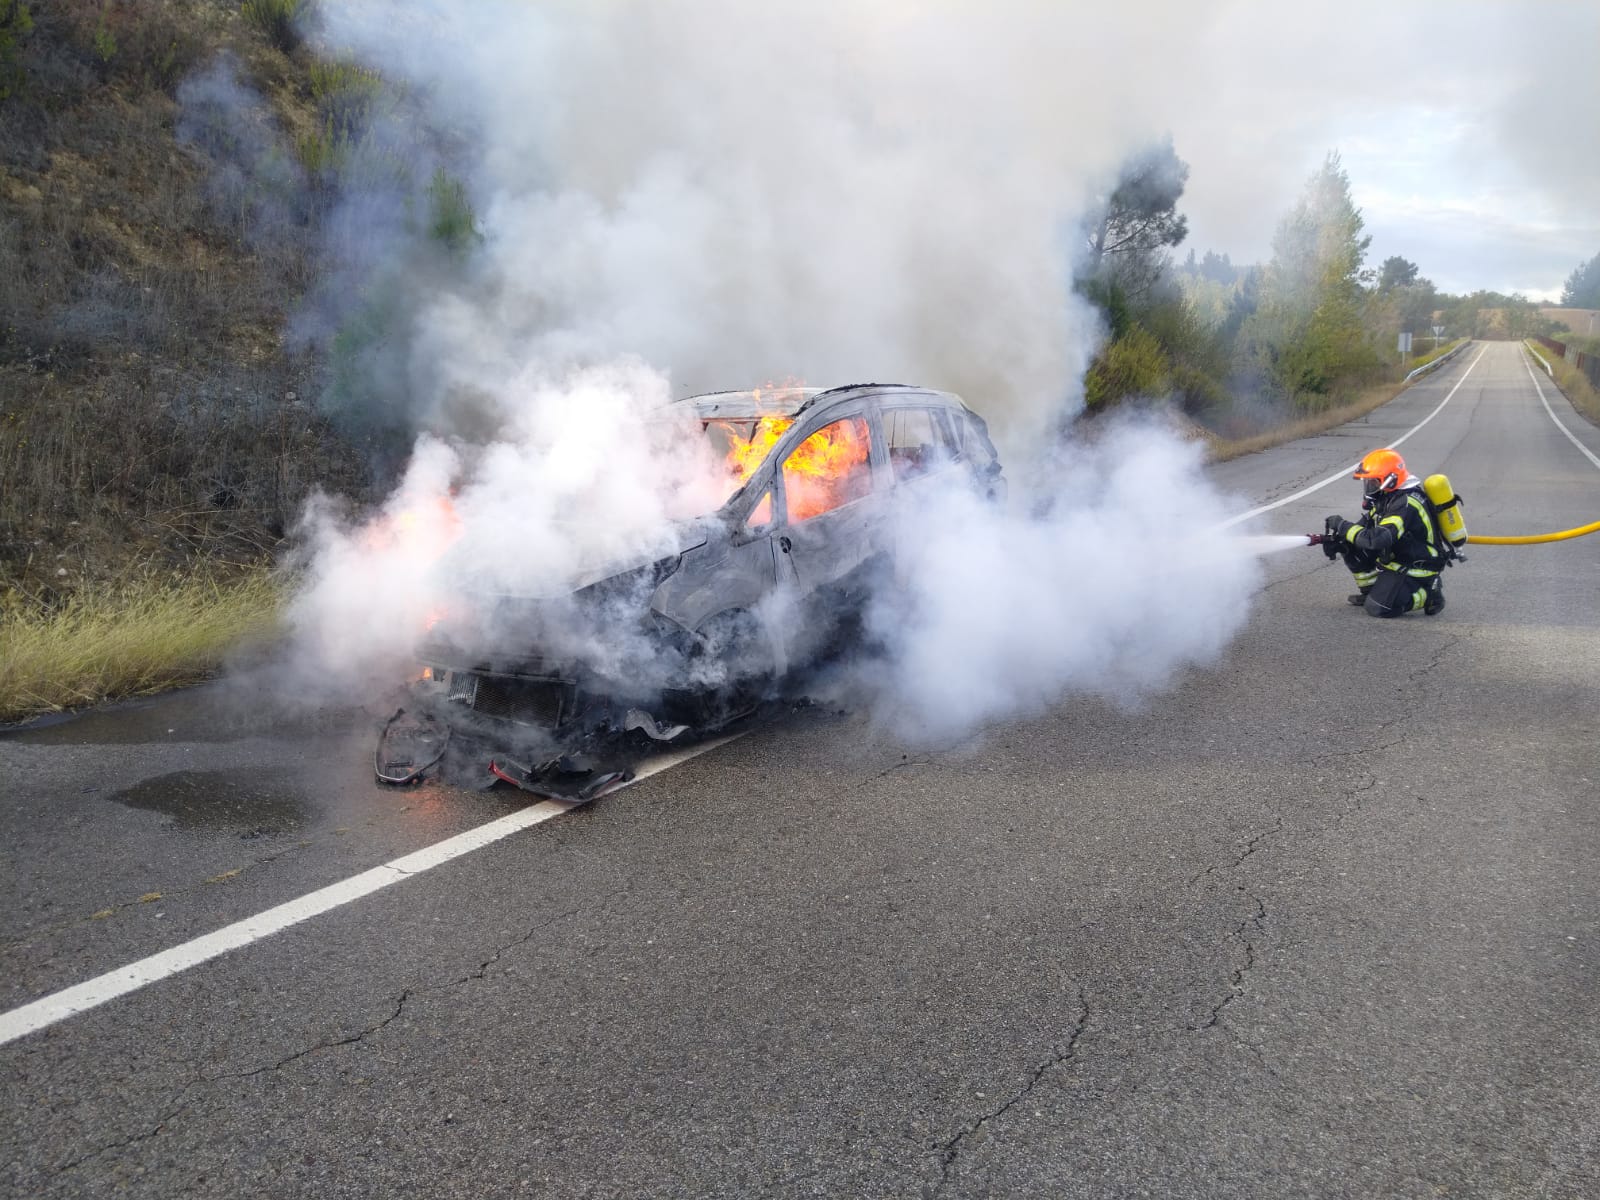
(917, 442)
(760, 518)
(744, 443)
(831, 468)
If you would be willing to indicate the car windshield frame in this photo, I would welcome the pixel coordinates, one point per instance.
(750, 405)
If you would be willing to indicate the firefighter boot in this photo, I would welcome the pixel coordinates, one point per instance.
(1435, 602)
(1358, 598)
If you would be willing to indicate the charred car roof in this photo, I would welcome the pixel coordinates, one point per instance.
(791, 401)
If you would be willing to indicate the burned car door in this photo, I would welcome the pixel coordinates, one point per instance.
(733, 573)
(924, 464)
(833, 523)
(978, 453)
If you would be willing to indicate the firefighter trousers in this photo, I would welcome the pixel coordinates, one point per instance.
(1388, 593)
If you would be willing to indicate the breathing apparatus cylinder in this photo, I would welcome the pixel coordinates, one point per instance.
(1447, 505)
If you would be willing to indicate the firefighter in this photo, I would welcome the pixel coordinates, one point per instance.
(1395, 550)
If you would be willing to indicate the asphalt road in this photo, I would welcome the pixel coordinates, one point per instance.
(1322, 920)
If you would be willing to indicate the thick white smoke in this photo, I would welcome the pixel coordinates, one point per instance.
(745, 192)
(584, 475)
(690, 196)
(1120, 577)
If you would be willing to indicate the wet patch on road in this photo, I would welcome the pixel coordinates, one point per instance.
(248, 804)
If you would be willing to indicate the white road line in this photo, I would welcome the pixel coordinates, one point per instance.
(1539, 387)
(30, 1018)
(1345, 474)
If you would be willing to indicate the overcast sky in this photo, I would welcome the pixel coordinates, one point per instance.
(1470, 130)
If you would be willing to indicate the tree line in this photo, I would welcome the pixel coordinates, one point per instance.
(1301, 332)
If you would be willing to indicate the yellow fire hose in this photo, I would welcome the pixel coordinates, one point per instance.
(1535, 537)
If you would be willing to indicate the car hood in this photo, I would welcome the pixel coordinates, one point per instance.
(472, 576)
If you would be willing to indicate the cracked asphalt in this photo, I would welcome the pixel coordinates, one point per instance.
(1323, 920)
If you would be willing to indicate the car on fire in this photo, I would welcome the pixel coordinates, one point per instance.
(692, 640)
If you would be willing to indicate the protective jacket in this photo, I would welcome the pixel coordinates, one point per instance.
(1398, 533)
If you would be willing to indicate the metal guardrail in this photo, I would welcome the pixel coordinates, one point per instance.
(1438, 362)
(1539, 358)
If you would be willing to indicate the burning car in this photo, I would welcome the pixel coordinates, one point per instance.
(690, 641)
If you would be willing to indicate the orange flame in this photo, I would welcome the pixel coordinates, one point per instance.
(423, 532)
(826, 470)
(744, 456)
(419, 535)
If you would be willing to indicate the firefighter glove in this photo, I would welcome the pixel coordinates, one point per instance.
(1336, 526)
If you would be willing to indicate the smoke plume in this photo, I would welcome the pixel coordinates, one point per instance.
(1121, 579)
(689, 196)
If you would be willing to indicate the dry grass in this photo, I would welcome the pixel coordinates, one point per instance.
(148, 405)
(148, 632)
(1309, 425)
(1574, 384)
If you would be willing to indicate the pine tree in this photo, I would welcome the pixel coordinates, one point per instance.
(1583, 286)
(1307, 331)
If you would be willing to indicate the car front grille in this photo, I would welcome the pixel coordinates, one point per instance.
(462, 686)
(527, 701)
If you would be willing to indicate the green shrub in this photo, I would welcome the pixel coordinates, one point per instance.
(1438, 351)
(345, 93)
(451, 221)
(150, 44)
(323, 152)
(276, 19)
(375, 167)
(1196, 391)
(105, 42)
(1132, 365)
(15, 25)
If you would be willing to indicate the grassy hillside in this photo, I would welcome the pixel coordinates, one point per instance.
(151, 416)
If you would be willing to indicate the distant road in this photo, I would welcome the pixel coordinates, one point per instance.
(1324, 920)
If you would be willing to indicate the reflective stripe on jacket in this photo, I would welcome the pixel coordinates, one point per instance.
(1400, 533)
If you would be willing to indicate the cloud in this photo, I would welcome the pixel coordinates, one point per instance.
(1482, 109)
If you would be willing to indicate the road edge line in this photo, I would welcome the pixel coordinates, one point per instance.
(1345, 474)
(69, 1002)
(1571, 437)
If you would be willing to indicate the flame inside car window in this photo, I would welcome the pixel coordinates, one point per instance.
(828, 469)
(744, 444)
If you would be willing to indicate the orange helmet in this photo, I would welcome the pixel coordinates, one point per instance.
(1384, 470)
